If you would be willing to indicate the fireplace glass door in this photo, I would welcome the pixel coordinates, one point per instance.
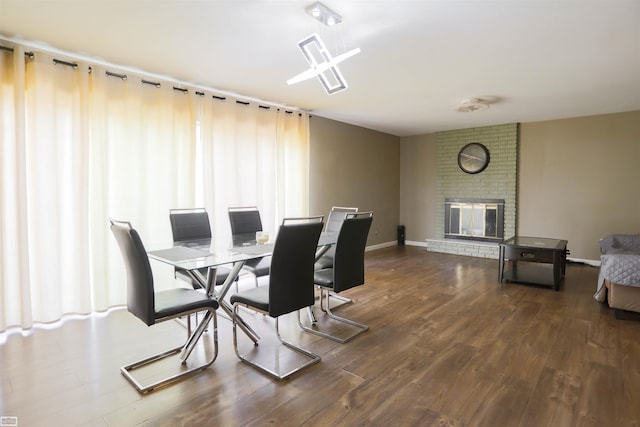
(474, 219)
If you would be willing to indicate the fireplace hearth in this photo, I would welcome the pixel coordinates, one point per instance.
(474, 219)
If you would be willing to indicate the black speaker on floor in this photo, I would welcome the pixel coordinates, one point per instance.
(401, 235)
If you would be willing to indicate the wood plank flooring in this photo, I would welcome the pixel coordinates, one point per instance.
(448, 346)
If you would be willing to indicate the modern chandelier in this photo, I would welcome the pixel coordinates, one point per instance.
(321, 63)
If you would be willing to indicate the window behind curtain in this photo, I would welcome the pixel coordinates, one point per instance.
(79, 146)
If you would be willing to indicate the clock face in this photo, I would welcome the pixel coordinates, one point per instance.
(473, 158)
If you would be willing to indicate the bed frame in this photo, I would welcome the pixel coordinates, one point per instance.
(621, 260)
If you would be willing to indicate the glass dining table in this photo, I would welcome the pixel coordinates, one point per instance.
(195, 256)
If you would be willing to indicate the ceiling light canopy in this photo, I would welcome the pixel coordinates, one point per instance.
(323, 14)
(471, 105)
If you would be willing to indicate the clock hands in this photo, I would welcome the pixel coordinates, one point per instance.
(471, 157)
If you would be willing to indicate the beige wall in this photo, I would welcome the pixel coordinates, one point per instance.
(578, 180)
(418, 190)
(354, 166)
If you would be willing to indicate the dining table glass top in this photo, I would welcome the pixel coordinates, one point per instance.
(203, 253)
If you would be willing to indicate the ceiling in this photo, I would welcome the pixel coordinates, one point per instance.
(531, 59)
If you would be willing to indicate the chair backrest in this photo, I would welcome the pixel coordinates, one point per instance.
(244, 220)
(189, 224)
(336, 216)
(140, 294)
(348, 261)
(291, 275)
(334, 222)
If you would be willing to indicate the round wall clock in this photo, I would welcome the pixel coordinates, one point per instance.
(473, 158)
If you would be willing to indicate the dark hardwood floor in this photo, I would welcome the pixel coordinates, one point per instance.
(447, 346)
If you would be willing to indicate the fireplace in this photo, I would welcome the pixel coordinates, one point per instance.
(474, 219)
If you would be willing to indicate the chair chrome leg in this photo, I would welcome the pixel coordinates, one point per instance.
(340, 298)
(345, 320)
(311, 315)
(185, 349)
(361, 328)
(313, 358)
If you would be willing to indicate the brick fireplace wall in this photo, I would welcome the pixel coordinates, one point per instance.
(497, 181)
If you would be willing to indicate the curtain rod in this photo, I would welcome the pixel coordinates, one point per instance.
(74, 65)
(67, 63)
(112, 74)
(217, 94)
(30, 55)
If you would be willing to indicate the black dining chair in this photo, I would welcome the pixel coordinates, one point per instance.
(193, 224)
(290, 287)
(337, 214)
(245, 221)
(154, 307)
(347, 271)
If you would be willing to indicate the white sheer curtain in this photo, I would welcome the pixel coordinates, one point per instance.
(142, 165)
(265, 165)
(15, 301)
(78, 146)
(56, 192)
(43, 186)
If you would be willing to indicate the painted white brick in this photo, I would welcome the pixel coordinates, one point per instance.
(498, 181)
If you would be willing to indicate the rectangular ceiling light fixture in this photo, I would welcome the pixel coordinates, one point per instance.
(320, 60)
(323, 14)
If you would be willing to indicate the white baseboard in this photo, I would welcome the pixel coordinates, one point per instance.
(591, 262)
(380, 246)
